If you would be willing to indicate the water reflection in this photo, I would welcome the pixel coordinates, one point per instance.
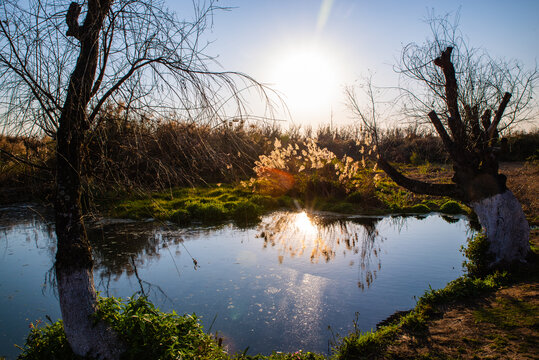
(322, 237)
(122, 247)
(275, 286)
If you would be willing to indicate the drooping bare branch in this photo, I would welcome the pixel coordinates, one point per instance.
(148, 60)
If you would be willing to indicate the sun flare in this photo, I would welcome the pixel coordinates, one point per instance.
(308, 77)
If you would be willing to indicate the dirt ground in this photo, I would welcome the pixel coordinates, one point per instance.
(523, 181)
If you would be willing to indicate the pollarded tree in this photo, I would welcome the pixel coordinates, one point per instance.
(60, 63)
(467, 106)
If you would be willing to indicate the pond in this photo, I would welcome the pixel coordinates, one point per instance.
(293, 281)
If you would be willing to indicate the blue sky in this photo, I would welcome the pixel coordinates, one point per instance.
(264, 37)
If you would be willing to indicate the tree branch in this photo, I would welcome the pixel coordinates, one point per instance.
(140, 63)
(21, 160)
(448, 143)
(417, 186)
(498, 116)
(72, 20)
(451, 90)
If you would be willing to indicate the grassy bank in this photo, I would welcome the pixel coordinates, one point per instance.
(215, 204)
(376, 195)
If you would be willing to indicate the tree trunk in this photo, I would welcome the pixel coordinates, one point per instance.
(506, 227)
(77, 302)
(74, 264)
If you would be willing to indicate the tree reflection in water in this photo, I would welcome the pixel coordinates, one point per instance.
(322, 237)
(124, 246)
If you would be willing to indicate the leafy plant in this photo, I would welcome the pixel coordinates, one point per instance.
(477, 255)
(147, 333)
(45, 343)
(152, 334)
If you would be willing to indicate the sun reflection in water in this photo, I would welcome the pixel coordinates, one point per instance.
(304, 225)
(302, 234)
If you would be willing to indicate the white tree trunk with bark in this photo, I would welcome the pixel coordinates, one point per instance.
(77, 302)
(505, 225)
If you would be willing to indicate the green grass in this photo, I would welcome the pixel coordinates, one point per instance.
(395, 199)
(452, 207)
(205, 205)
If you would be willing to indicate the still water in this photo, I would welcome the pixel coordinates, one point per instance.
(294, 281)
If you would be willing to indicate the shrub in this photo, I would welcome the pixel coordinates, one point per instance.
(152, 334)
(477, 254)
(451, 207)
(246, 212)
(419, 208)
(147, 332)
(520, 146)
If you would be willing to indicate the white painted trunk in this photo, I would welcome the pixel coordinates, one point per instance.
(77, 301)
(506, 227)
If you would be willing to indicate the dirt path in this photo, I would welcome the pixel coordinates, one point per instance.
(503, 325)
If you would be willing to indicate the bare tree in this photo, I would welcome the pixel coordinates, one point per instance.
(482, 80)
(464, 92)
(60, 65)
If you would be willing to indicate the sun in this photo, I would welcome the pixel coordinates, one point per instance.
(309, 77)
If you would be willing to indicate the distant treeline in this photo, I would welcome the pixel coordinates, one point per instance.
(139, 153)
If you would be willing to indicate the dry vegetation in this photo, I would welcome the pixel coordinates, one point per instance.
(135, 153)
